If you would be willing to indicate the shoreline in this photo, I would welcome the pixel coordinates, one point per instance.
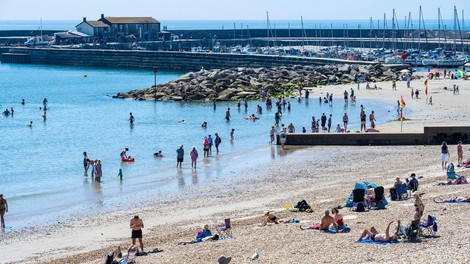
(286, 180)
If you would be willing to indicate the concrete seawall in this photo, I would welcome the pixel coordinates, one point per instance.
(165, 59)
(430, 136)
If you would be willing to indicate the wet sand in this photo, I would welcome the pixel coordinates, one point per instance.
(324, 176)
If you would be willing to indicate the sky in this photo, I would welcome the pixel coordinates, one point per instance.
(226, 10)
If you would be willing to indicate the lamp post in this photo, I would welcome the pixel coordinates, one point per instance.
(155, 70)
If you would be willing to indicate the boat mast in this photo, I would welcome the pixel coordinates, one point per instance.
(383, 31)
(304, 33)
(267, 26)
(394, 34)
(457, 27)
(439, 26)
(370, 33)
(410, 27)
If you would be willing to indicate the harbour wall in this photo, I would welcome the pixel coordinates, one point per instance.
(166, 60)
(430, 136)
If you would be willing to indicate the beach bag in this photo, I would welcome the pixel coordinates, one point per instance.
(302, 206)
(393, 194)
(360, 207)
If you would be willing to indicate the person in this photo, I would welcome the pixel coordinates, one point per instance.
(412, 94)
(22, 101)
(283, 137)
(417, 93)
(131, 118)
(459, 199)
(326, 222)
(363, 120)
(307, 93)
(44, 102)
(397, 182)
(270, 218)
(3, 209)
(394, 84)
(372, 119)
(136, 225)
(205, 147)
(98, 171)
(272, 132)
(124, 153)
(194, 155)
(202, 235)
(86, 163)
(346, 96)
(30, 124)
(413, 183)
(345, 121)
(444, 155)
(338, 129)
(209, 139)
(323, 121)
(120, 174)
(288, 106)
(329, 123)
(204, 125)
(370, 196)
(337, 216)
(215, 103)
(460, 153)
(291, 128)
(158, 154)
(179, 156)
(304, 130)
(227, 114)
(12, 111)
(374, 235)
(232, 132)
(419, 206)
(217, 142)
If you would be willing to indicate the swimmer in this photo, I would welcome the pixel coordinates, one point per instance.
(181, 121)
(30, 124)
(22, 101)
(204, 124)
(158, 154)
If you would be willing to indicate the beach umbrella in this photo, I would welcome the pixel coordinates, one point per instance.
(360, 185)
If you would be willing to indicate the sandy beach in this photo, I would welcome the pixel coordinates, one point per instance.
(323, 176)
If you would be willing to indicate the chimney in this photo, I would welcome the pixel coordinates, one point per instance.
(84, 19)
(102, 16)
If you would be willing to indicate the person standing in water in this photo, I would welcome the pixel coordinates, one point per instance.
(120, 174)
(179, 156)
(232, 132)
(217, 142)
(209, 139)
(86, 163)
(329, 123)
(215, 105)
(194, 155)
(131, 118)
(272, 132)
(3, 209)
(227, 114)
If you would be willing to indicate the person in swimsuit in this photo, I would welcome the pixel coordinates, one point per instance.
(124, 153)
(374, 235)
(337, 216)
(3, 209)
(270, 218)
(136, 225)
(131, 118)
(419, 207)
(86, 163)
(326, 221)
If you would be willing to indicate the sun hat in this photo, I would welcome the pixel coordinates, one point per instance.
(415, 194)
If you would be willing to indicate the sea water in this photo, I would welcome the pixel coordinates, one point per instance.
(41, 168)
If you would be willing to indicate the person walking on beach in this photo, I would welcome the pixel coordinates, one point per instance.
(227, 114)
(272, 132)
(372, 119)
(363, 121)
(136, 225)
(444, 155)
(3, 209)
(86, 163)
(131, 118)
(329, 123)
(412, 94)
(217, 142)
(194, 155)
(460, 152)
(179, 156)
(394, 84)
(345, 121)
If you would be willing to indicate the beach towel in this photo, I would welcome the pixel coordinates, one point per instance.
(370, 241)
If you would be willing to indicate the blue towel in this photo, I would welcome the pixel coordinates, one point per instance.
(370, 241)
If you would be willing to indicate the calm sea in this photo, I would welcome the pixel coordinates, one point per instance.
(239, 24)
(41, 170)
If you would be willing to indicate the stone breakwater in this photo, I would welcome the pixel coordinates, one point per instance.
(242, 82)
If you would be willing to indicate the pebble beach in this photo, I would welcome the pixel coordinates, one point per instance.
(324, 176)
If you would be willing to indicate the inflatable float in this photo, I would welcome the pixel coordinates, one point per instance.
(128, 159)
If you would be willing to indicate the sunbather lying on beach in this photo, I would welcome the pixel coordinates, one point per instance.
(460, 180)
(460, 199)
(374, 235)
(327, 221)
(270, 218)
(203, 235)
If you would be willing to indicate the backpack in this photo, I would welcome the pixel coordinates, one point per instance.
(302, 206)
(360, 207)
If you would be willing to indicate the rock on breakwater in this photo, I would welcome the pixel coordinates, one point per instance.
(242, 82)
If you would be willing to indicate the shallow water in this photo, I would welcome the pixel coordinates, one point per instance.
(42, 174)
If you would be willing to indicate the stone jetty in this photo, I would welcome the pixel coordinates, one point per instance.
(244, 82)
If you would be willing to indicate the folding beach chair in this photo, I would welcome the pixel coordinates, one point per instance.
(379, 198)
(402, 191)
(412, 232)
(225, 229)
(358, 198)
(429, 226)
(451, 172)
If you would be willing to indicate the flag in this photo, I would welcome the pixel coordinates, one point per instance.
(402, 102)
(426, 87)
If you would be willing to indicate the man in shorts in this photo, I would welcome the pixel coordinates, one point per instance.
(3, 209)
(179, 156)
(136, 225)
